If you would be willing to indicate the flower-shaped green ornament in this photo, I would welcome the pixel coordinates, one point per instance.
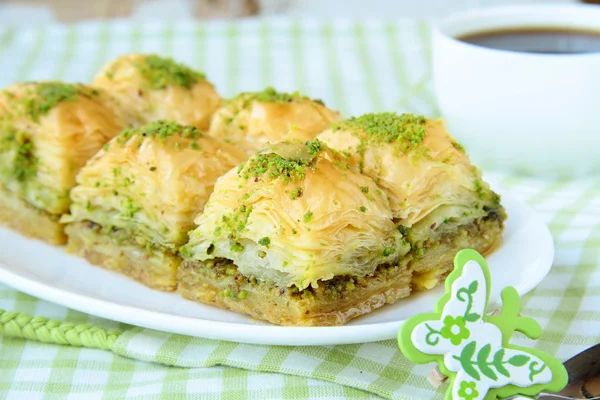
(474, 349)
(468, 390)
(455, 329)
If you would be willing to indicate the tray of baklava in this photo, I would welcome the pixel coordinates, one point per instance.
(147, 198)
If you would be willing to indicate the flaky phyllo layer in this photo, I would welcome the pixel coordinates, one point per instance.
(297, 213)
(426, 174)
(152, 88)
(48, 130)
(151, 182)
(252, 120)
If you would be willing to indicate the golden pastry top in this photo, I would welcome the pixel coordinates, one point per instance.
(251, 120)
(152, 180)
(419, 165)
(294, 214)
(48, 130)
(154, 88)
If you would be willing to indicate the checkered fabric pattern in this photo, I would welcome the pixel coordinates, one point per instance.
(355, 67)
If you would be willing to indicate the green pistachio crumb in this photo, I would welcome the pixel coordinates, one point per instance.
(478, 187)
(152, 169)
(194, 145)
(308, 216)
(363, 209)
(387, 251)
(130, 209)
(404, 132)
(262, 254)
(403, 230)
(314, 147)
(160, 130)
(161, 72)
(269, 95)
(236, 246)
(364, 189)
(420, 252)
(243, 294)
(296, 193)
(238, 220)
(265, 241)
(274, 166)
(47, 95)
(458, 146)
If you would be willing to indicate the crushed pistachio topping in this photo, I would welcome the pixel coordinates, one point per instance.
(405, 132)
(161, 72)
(44, 96)
(24, 163)
(314, 147)
(364, 189)
(296, 193)
(275, 166)
(458, 146)
(265, 241)
(363, 209)
(308, 216)
(269, 95)
(235, 222)
(130, 209)
(160, 130)
(387, 251)
(236, 246)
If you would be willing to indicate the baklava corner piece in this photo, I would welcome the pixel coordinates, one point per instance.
(438, 198)
(252, 119)
(48, 130)
(135, 201)
(296, 237)
(152, 88)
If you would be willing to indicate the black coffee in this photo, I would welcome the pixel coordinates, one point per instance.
(538, 40)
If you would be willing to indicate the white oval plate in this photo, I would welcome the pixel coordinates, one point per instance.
(48, 273)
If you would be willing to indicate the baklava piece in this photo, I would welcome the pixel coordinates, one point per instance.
(153, 88)
(48, 130)
(251, 120)
(438, 198)
(136, 200)
(294, 236)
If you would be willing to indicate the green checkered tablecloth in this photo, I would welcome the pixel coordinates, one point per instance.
(354, 66)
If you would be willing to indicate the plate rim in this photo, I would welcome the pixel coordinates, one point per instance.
(244, 333)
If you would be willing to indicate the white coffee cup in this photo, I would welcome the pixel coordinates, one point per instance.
(516, 111)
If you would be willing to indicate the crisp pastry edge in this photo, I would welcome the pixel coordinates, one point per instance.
(279, 306)
(156, 269)
(30, 221)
